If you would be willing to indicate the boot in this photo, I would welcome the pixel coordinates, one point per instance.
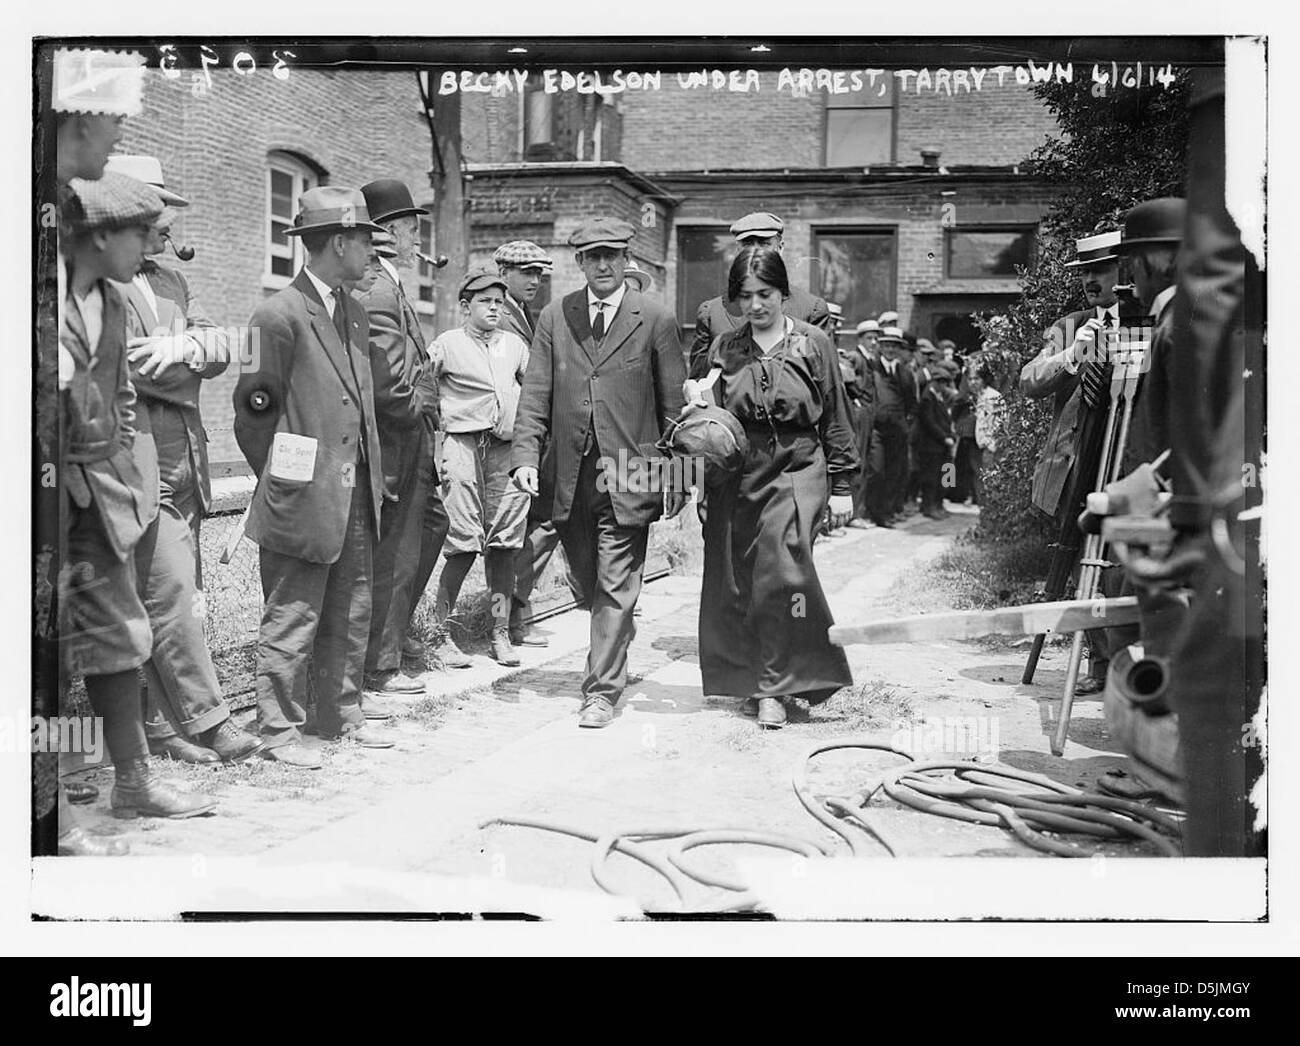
(448, 653)
(502, 652)
(136, 793)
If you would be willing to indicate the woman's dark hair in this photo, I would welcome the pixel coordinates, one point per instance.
(764, 263)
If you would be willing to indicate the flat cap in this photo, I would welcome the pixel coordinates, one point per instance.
(760, 223)
(524, 254)
(114, 202)
(479, 278)
(602, 232)
(941, 370)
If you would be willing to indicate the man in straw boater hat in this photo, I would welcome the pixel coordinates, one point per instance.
(112, 486)
(174, 347)
(717, 316)
(406, 416)
(1068, 343)
(305, 420)
(604, 382)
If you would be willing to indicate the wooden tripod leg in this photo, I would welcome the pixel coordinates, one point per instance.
(1067, 699)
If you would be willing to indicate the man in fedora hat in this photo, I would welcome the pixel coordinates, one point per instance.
(1070, 342)
(406, 417)
(895, 398)
(717, 316)
(305, 420)
(604, 381)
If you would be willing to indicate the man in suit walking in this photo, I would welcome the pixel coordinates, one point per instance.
(406, 423)
(1055, 371)
(604, 380)
(717, 316)
(896, 398)
(305, 420)
(174, 347)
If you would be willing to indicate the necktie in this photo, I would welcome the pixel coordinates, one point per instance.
(598, 328)
(341, 325)
(341, 317)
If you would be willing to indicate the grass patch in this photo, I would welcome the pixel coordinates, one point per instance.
(872, 705)
(971, 575)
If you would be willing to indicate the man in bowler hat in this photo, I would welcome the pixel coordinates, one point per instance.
(305, 420)
(604, 380)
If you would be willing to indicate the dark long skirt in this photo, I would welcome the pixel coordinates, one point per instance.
(763, 615)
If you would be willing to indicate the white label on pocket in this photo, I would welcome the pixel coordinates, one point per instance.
(293, 457)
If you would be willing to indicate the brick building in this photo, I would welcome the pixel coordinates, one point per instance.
(893, 197)
(242, 151)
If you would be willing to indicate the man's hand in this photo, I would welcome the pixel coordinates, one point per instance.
(1084, 347)
(526, 479)
(674, 502)
(159, 353)
(840, 509)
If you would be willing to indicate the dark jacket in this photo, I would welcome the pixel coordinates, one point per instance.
(626, 392)
(316, 388)
(717, 316)
(933, 423)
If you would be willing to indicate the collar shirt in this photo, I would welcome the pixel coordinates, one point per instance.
(1162, 300)
(389, 268)
(611, 305)
(142, 284)
(1109, 316)
(325, 291)
(91, 308)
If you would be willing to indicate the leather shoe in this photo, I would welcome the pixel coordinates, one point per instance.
(859, 524)
(525, 635)
(372, 709)
(293, 755)
(771, 713)
(1089, 685)
(76, 843)
(80, 792)
(182, 750)
(596, 712)
(232, 744)
(137, 793)
(367, 737)
(449, 654)
(393, 683)
(502, 652)
(749, 707)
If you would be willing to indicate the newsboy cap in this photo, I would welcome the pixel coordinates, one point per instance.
(602, 232)
(114, 202)
(388, 198)
(760, 223)
(331, 207)
(147, 169)
(523, 254)
(479, 278)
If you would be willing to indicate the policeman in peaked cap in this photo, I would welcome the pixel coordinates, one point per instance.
(716, 316)
(604, 382)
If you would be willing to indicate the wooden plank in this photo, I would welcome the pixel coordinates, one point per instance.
(1026, 620)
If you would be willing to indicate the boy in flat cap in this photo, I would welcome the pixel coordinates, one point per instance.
(522, 264)
(112, 490)
(477, 369)
(305, 420)
(716, 316)
(604, 381)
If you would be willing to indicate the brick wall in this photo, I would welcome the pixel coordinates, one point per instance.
(354, 127)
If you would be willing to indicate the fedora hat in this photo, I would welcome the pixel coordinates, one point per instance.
(389, 198)
(1095, 250)
(331, 207)
(1154, 223)
(147, 169)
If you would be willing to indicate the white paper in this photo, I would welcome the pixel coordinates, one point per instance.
(293, 457)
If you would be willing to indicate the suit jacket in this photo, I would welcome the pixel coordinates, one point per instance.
(717, 316)
(397, 364)
(1149, 435)
(1046, 375)
(103, 465)
(934, 422)
(626, 391)
(170, 401)
(314, 387)
(517, 318)
(896, 394)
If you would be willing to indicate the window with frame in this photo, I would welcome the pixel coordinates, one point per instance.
(287, 178)
(860, 125)
(857, 269)
(703, 256)
(988, 252)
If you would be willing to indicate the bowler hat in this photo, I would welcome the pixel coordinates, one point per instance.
(759, 224)
(1153, 223)
(1095, 250)
(480, 278)
(331, 207)
(147, 169)
(602, 232)
(389, 198)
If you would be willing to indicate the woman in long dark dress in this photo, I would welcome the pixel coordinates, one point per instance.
(763, 615)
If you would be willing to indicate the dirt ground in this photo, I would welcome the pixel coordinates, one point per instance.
(490, 743)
